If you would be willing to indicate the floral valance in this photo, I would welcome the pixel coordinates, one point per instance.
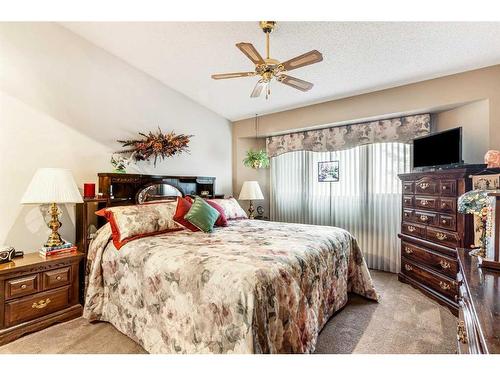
(399, 129)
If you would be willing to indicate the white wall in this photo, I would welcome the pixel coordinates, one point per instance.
(64, 102)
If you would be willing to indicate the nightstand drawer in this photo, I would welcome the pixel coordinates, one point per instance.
(56, 278)
(27, 308)
(21, 286)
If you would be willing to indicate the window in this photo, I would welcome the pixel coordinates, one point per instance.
(366, 200)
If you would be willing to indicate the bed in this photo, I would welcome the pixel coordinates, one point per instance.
(251, 287)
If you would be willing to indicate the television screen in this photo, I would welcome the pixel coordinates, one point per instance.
(438, 149)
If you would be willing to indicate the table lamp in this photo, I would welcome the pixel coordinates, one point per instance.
(52, 186)
(250, 191)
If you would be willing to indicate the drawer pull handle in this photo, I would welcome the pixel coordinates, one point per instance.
(424, 185)
(408, 250)
(424, 218)
(40, 304)
(59, 278)
(444, 264)
(441, 236)
(444, 285)
(411, 228)
(424, 202)
(24, 286)
(444, 187)
(462, 333)
(443, 205)
(408, 267)
(444, 221)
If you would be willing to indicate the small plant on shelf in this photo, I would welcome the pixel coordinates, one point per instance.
(256, 159)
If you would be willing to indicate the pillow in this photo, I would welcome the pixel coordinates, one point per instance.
(222, 220)
(131, 222)
(183, 206)
(231, 207)
(202, 215)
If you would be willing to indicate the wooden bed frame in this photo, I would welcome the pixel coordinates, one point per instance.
(119, 189)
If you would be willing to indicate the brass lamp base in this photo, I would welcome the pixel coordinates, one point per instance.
(251, 210)
(54, 224)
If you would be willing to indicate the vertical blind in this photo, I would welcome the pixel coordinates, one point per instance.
(366, 200)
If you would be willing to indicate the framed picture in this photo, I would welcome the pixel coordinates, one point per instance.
(486, 182)
(328, 171)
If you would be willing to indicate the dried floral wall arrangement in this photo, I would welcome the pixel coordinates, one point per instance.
(156, 145)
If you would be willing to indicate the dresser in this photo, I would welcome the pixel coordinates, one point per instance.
(36, 292)
(478, 329)
(432, 229)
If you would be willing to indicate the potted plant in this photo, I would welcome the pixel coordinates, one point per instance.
(256, 159)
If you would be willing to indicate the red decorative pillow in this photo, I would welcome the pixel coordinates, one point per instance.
(183, 206)
(222, 220)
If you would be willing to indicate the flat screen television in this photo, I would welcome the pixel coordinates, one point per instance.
(438, 149)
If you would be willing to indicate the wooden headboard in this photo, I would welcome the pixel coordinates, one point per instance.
(122, 189)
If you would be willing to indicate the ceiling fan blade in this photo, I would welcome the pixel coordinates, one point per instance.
(233, 75)
(307, 58)
(295, 82)
(249, 50)
(258, 89)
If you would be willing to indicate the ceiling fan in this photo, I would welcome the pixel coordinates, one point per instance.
(269, 69)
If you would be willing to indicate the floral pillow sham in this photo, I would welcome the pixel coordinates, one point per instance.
(131, 222)
(231, 207)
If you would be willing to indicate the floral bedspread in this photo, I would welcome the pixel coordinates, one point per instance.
(251, 287)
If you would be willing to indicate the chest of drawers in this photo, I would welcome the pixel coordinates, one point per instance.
(36, 292)
(431, 230)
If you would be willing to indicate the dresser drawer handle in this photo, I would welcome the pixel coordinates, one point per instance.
(24, 286)
(59, 278)
(444, 285)
(424, 218)
(462, 333)
(408, 267)
(444, 264)
(441, 236)
(424, 202)
(444, 221)
(444, 187)
(408, 250)
(40, 304)
(411, 228)
(424, 185)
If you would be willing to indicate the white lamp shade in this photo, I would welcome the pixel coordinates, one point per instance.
(52, 185)
(250, 191)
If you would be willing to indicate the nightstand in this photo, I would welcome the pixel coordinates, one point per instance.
(36, 292)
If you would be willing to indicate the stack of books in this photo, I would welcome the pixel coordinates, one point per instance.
(65, 248)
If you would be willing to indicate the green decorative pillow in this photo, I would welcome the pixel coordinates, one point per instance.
(202, 215)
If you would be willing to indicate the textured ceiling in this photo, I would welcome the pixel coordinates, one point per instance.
(358, 56)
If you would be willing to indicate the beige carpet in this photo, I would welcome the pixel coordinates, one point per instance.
(405, 321)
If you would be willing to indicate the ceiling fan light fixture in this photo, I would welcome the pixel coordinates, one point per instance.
(270, 69)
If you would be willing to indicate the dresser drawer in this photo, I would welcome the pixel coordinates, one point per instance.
(438, 262)
(427, 203)
(424, 217)
(447, 221)
(407, 200)
(426, 186)
(21, 286)
(408, 214)
(408, 187)
(440, 284)
(448, 187)
(56, 278)
(443, 237)
(413, 229)
(27, 308)
(448, 205)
